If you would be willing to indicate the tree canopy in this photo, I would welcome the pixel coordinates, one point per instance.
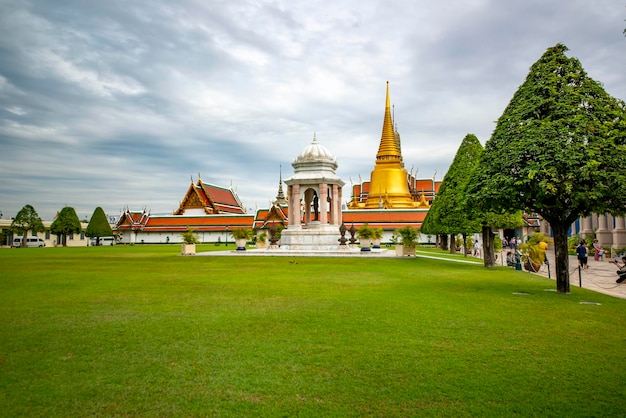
(98, 225)
(66, 223)
(448, 213)
(557, 150)
(26, 220)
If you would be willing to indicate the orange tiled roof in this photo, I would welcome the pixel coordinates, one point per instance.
(224, 199)
(276, 213)
(386, 219)
(424, 184)
(174, 223)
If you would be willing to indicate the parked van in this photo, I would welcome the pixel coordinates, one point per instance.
(103, 241)
(30, 242)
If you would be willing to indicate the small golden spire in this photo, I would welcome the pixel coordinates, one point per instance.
(388, 149)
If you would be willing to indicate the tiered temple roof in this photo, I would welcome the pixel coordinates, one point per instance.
(209, 199)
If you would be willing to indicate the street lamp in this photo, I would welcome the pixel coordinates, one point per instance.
(226, 236)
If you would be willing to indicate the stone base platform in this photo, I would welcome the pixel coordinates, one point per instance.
(314, 237)
(280, 252)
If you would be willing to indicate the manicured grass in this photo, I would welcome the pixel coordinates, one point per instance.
(142, 331)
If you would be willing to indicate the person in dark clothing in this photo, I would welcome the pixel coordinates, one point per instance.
(582, 252)
(622, 270)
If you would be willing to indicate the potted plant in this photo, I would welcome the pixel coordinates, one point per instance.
(409, 237)
(377, 235)
(261, 240)
(534, 251)
(189, 242)
(365, 234)
(241, 235)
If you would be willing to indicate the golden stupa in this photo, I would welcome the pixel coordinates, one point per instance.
(389, 188)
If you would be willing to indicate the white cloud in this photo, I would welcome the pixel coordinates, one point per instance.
(131, 98)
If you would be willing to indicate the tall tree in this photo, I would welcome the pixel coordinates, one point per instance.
(98, 226)
(557, 150)
(448, 213)
(26, 220)
(66, 223)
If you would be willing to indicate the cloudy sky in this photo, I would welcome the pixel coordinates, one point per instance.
(120, 103)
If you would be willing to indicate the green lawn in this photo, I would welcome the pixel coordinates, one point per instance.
(142, 331)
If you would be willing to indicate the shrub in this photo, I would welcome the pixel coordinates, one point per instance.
(409, 235)
(189, 237)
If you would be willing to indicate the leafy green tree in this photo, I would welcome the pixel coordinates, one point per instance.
(98, 226)
(448, 213)
(557, 150)
(66, 223)
(26, 220)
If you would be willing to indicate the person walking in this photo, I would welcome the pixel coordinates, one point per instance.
(582, 252)
(598, 251)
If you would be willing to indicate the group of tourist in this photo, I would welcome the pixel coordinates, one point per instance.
(582, 253)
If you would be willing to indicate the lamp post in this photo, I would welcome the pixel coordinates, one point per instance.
(226, 236)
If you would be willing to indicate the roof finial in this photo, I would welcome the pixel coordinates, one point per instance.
(314, 137)
(387, 101)
(280, 197)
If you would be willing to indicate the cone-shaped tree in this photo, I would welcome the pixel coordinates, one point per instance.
(98, 226)
(67, 222)
(448, 214)
(26, 220)
(557, 150)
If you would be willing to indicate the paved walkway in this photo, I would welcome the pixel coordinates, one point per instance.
(599, 277)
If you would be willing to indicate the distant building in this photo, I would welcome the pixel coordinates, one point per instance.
(50, 239)
(211, 211)
(392, 199)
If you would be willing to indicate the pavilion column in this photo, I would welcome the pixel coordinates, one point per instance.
(323, 202)
(308, 199)
(619, 233)
(339, 205)
(586, 229)
(604, 236)
(294, 210)
(336, 205)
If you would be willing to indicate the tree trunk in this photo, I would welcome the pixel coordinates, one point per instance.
(561, 256)
(488, 253)
(444, 242)
(452, 244)
(24, 235)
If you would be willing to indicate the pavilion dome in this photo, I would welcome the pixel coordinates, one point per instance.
(315, 152)
(315, 163)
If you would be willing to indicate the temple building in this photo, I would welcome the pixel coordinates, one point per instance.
(211, 211)
(389, 187)
(392, 199)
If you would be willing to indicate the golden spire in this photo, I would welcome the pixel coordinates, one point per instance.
(389, 173)
(388, 149)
